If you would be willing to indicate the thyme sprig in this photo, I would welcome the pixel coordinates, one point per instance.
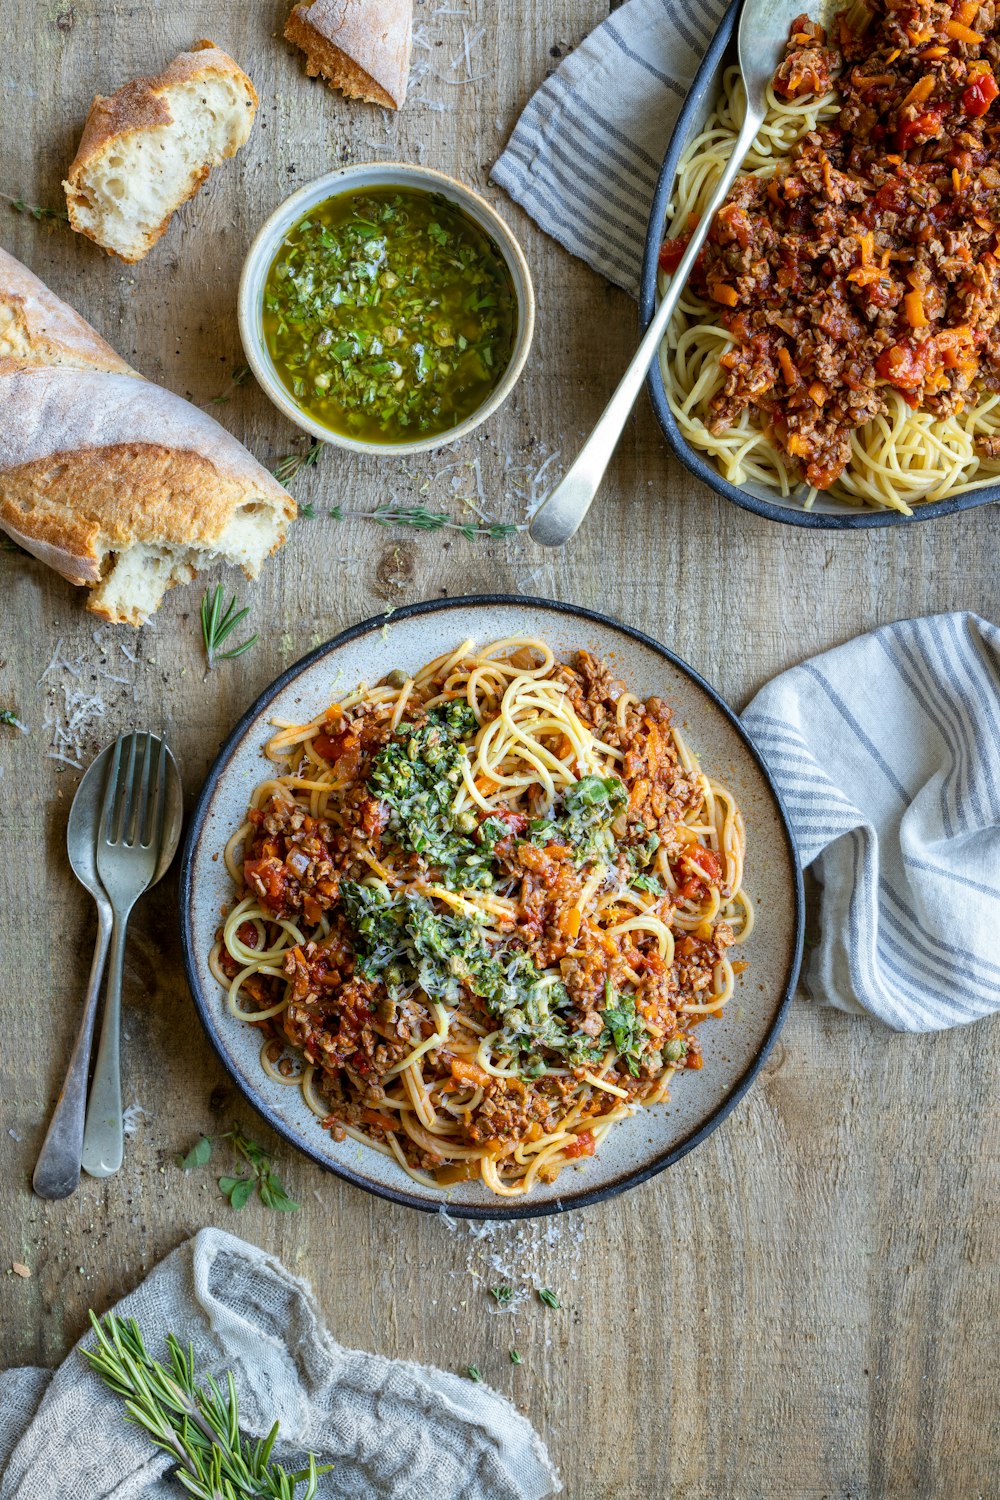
(239, 377)
(20, 206)
(291, 466)
(421, 519)
(197, 1425)
(217, 624)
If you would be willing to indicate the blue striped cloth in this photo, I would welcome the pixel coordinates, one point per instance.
(585, 155)
(887, 755)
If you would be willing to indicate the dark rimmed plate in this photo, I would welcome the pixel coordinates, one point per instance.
(735, 1046)
(825, 513)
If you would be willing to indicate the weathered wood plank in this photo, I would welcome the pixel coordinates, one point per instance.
(805, 1307)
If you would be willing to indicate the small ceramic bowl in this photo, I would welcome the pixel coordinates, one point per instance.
(378, 174)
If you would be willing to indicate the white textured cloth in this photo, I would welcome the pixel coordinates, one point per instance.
(393, 1430)
(887, 755)
(585, 155)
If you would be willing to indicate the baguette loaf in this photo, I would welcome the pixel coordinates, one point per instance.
(114, 482)
(361, 47)
(150, 146)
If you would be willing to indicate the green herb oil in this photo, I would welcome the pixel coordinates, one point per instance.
(389, 314)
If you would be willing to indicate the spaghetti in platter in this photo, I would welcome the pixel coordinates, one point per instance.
(837, 334)
(482, 910)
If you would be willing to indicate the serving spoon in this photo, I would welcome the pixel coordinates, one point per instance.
(57, 1171)
(763, 32)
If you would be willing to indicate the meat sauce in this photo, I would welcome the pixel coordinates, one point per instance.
(869, 262)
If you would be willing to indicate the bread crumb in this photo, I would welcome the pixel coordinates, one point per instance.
(19, 1269)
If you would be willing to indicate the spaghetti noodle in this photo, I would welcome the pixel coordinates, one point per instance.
(837, 334)
(482, 911)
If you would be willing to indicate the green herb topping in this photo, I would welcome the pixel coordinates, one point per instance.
(389, 314)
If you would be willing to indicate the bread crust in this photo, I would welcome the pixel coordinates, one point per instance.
(361, 47)
(38, 328)
(95, 461)
(142, 105)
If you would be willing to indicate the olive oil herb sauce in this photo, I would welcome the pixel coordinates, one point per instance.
(389, 314)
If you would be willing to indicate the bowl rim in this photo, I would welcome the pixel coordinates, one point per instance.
(261, 251)
(501, 1210)
(704, 80)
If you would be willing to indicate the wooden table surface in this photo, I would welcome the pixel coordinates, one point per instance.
(807, 1305)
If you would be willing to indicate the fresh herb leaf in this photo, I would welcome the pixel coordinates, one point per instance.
(8, 716)
(307, 512)
(270, 1190)
(197, 1426)
(503, 1295)
(624, 1028)
(474, 1373)
(649, 883)
(548, 1297)
(218, 623)
(199, 1154)
(515, 1357)
(422, 519)
(56, 215)
(291, 466)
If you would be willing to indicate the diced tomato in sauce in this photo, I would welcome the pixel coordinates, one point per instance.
(582, 1144)
(980, 94)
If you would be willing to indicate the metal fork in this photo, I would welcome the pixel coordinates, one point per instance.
(128, 847)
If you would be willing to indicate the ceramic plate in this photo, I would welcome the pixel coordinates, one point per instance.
(734, 1046)
(760, 498)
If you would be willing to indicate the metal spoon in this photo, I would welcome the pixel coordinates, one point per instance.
(57, 1171)
(763, 32)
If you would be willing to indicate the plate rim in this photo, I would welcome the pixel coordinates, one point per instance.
(504, 1209)
(692, 460)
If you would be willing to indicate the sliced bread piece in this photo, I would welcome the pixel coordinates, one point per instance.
(150, 146)
(361, 47)
(114, 482)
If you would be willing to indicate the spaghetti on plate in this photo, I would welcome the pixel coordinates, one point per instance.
(482, 911)
(839, 331)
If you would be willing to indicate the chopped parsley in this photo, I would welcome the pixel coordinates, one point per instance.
(417, 776)
(389, 314)
(582, 820)
(515, 1357)
(650, 883)
(404, 941)
(502, 1295)
(624, 1027)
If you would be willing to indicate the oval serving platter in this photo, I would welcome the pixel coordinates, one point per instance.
(734, 1046)
(764, 501)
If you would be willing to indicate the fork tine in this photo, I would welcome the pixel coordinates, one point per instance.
(111, 791)
(140, 792)
(127, 792)
(153, 834)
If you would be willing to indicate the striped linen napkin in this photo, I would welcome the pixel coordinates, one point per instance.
(887, 754)
(585, 155)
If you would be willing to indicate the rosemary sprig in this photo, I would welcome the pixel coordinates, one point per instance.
(291, 466)
(197, 1425)
(217, 624)
(20, 206)
(422, 519)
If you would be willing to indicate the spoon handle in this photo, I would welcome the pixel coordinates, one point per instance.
(558, 518)
(57, 1170)
(104, 1135)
